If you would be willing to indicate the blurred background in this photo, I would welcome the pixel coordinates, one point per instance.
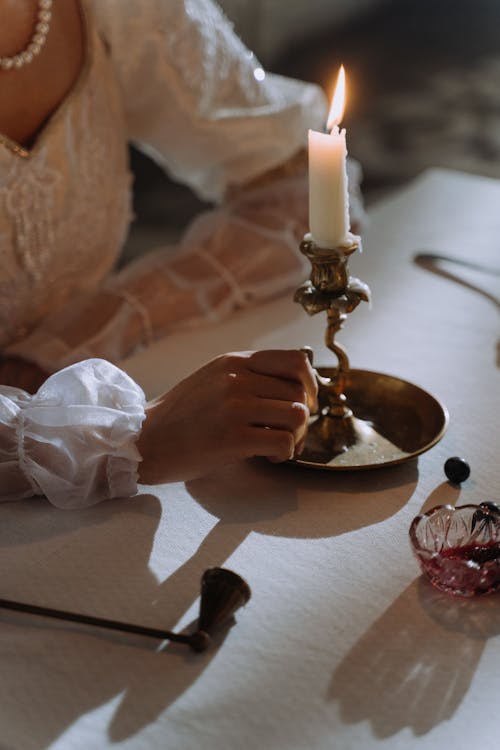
(424, 90)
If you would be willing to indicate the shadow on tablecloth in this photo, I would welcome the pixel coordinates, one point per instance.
(413, 667)
(94, 561)
(97, 562)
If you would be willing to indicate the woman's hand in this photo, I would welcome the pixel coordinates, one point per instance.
(237, 406)
(20, 373)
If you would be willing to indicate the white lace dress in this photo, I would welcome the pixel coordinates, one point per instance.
(170, 76)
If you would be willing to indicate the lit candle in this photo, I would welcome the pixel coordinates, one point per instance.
(328, 197)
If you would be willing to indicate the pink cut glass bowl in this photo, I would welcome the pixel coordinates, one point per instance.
(459, 548)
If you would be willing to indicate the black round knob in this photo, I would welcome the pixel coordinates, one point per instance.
(456, 469)
(199, 641)
(493, 507)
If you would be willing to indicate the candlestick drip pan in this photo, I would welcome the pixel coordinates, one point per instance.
(392, 421)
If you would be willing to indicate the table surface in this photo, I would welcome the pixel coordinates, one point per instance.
(343, 644)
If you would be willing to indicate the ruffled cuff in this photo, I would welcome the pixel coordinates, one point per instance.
(76, 436)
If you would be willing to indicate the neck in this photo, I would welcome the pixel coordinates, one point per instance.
(23, 38)
(22, 17)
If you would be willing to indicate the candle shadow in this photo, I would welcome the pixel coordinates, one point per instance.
(53, 672)
(414, 665)
(289, 501)
(446, 493)
(285, 501)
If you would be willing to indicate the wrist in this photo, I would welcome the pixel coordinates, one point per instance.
(18, 372)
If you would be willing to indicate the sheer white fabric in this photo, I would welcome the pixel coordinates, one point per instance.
(228, 259)
(171, 76)
(190, 96)
(197, 98)
(74, 440)
(65, 208)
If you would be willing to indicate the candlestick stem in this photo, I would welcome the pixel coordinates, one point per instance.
(364, 419)
(334, 389)
(331, 289)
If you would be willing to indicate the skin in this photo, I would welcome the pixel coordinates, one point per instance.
(237, 406)
(28, 97)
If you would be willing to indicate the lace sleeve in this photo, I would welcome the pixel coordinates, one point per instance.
(197, 100)
(74, 440)
(229, 258)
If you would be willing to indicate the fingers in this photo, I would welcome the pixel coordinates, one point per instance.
(276, 445)
(273, 428)
(264, 401)
(282, 415)
(279, 389)
(242, 405)
(274, 389)
(287, 364)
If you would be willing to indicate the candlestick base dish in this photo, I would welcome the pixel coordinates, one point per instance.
(392, 421)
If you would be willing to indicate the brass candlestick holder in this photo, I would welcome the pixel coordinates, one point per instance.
(364, 419)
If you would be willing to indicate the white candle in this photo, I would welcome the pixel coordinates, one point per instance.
(328, 195)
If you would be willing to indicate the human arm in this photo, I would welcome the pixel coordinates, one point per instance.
(237, 406)
(87, 433)
(197, 100)
(192, 100)
(21, 373)
(229, 258)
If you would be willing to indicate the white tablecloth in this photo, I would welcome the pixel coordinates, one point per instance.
(342, 645)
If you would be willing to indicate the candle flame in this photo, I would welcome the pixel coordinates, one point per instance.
(338, 101)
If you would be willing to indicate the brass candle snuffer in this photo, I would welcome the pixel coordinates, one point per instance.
(223, 592)
(365, 419)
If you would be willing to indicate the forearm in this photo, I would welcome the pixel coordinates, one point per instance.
(229, 258)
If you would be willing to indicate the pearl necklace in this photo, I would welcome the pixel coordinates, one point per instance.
(37, 41)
